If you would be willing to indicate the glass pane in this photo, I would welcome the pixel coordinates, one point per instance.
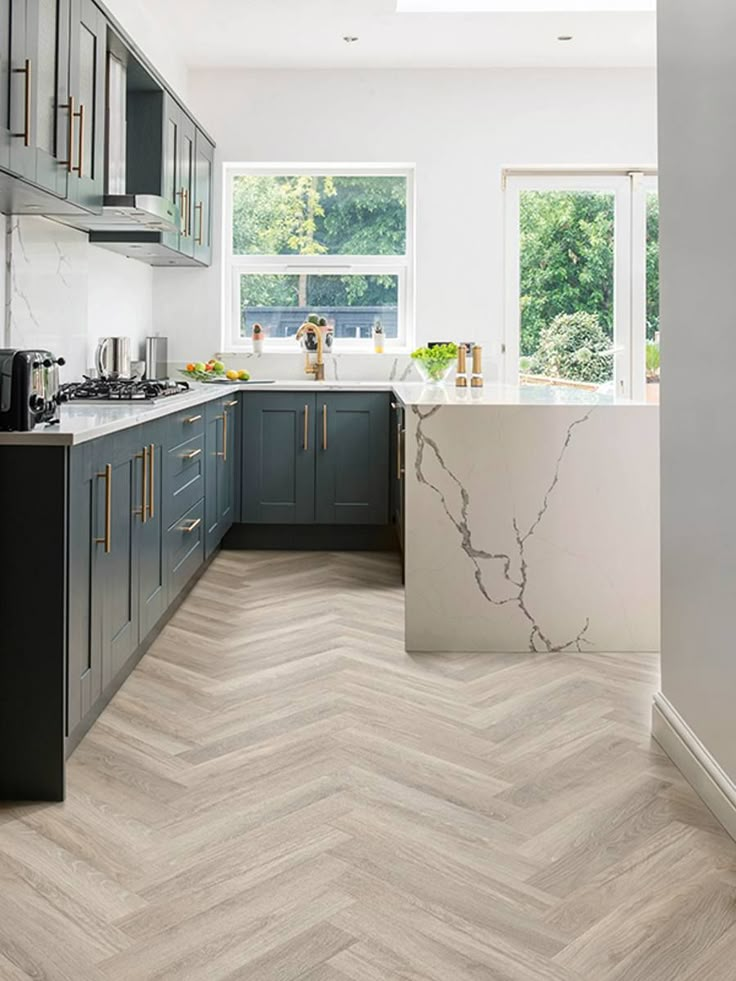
(303, 215)
(350, 304)
(567, 287)
(652, 354)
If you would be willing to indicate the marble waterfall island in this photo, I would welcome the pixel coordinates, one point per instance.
(532, 527)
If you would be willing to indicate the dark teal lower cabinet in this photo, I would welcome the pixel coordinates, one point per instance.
(278, 447)
(221, 452)
(352, 481)
(315, 459)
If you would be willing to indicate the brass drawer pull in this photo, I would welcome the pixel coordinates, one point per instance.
(152, 480)
(192, 419)
(188, 529)
(324, 427)
(191, 455)
(306, 427)
(106, 475)
(142, 511)
(26, 134)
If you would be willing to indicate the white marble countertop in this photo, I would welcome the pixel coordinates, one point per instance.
(82, 422)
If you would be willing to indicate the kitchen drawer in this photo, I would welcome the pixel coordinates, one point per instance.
(185, 424)
(185, 548)
(184, 486)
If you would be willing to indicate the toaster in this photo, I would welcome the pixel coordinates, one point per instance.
(29, 389)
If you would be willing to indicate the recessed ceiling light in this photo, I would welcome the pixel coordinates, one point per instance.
(350, 39)
(565, 37)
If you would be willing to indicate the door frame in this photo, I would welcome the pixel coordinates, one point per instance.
(629, 190)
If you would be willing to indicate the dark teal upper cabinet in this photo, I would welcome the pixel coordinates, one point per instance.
(204, 157)
(315, 459)
(278, 458)
(87, 70)
(352, 459)
(38, 82)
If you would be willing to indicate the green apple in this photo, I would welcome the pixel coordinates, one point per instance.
(199, 366)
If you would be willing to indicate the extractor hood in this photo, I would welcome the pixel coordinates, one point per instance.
(122, 210)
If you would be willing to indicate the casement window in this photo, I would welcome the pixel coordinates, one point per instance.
(332, 241)
(582, 280)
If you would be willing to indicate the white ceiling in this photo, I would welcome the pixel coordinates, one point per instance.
(309, 34)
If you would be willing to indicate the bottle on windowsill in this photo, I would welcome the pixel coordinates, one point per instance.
(378, 336)
(258, 335)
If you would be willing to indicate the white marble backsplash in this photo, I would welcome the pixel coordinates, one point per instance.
(47, 289)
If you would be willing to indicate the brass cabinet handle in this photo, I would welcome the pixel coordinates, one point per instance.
(191, 455)
(223, 454)
(324, 427)
(200, 234)
(69, 164)
(79, 169)
(188, 529)
(192, 419)
(184, 195)
(26, 134)
(106, 475)
(142, 511)
(152, 480)
(306, 427)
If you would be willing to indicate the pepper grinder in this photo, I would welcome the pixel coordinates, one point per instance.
(461, 377)
(477, 379)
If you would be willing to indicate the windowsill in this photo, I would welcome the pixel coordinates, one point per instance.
(345, 352)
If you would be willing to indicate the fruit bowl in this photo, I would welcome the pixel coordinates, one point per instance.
(212, 371)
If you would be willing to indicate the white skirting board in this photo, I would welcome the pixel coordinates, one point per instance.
(697, 765)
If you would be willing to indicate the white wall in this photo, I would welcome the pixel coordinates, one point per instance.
(698, 255)
(459, 128)
(148, 30)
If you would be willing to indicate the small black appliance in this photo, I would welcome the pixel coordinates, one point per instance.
(29, 389)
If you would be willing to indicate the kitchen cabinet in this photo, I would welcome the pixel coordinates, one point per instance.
(315, 459)
(178, 173)
(278, 434)
(116, 559)
(38, 90)
(352, 482)
(87, 73)
(220, 449)
(204, 163)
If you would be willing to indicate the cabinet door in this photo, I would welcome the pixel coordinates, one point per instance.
(186, 170)
(5, 54)
(278, 431)
(50, 94)
(119, 564)
(203, 194)
(226, 490)
(87, 526)
(21, 85)
(214, 448)
(353, 459)
(87, 72)
(171, 181)
(149, 544)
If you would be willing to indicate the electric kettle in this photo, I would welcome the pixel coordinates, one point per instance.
(112, 357)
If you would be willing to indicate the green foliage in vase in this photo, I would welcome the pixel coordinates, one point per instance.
(436, 360)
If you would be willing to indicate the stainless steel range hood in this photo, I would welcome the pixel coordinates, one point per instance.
(123, 211)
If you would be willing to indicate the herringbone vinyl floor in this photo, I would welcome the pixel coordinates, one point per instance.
(279, 792)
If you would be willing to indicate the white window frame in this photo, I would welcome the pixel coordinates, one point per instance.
(234, 266)
(629, 189)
